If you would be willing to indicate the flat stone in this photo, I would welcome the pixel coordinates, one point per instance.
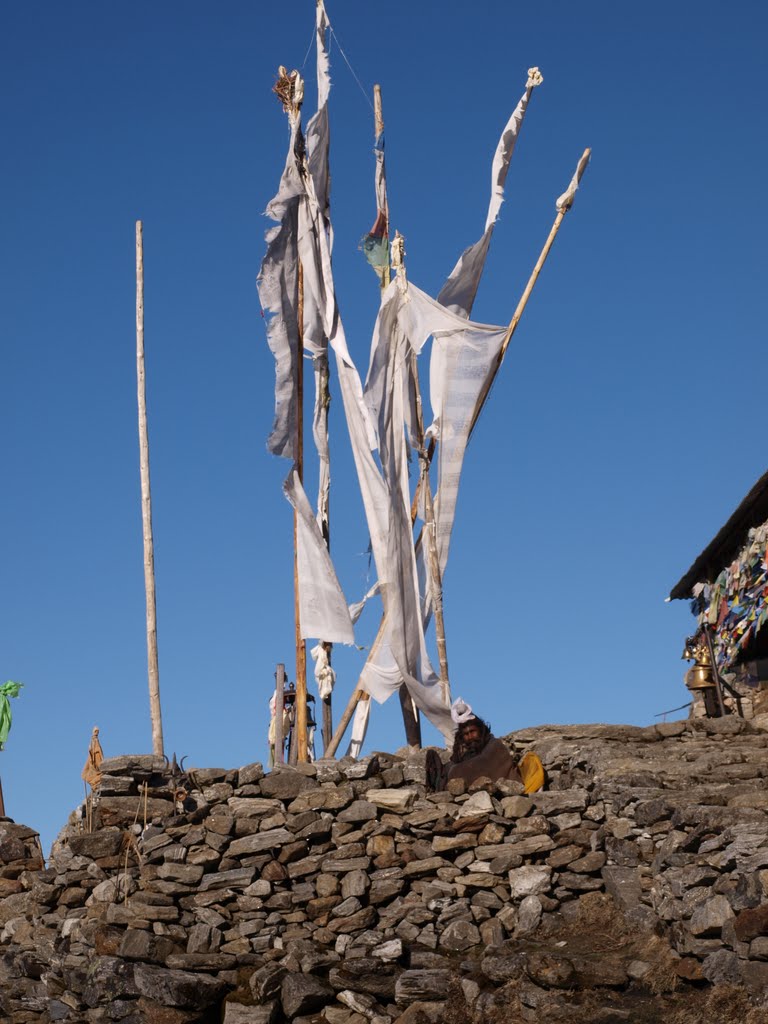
(182, 989)
(123, 811)
(427, 866)
(503, 967)
(721, 968)
(253, 806)
(529, 915)
(478, 803)
(341, 866)
(421, 985)
(459, 936)
(624, 885)
(529, 881)
(237, 878)
(359, 810)
(533, 844)
(250, 773)
(286, 783)
(304, 993)
(326, 798)
(188, 874)
(709, 917)
(589, 864)
(237, 1013)
(97, 844)
(751, 923)
(389, 951)
(557, 801)
(398, 800)
(516, 807)
(259, 842)
(130, 764)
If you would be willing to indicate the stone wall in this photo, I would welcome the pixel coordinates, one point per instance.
(341, 892)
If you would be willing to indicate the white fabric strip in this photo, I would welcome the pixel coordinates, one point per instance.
(323, 610)
(459, 291)
(566, 199)
(359, 728)
(278, 289)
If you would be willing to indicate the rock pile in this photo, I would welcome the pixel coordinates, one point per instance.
(341, 892)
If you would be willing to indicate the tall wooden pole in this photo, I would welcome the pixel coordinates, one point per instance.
(357, 694)
(146, 507)
(582, 165)
(300, 721)
(433, 559)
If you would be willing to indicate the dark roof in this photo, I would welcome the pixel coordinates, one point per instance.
(720, 552)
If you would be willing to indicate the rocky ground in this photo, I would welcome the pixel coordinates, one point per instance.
(635, 888)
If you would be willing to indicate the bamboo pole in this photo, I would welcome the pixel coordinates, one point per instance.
(146, 507)
(356, 694)
(581, 167)
(433, 559)
(300, 717)
(323, 386)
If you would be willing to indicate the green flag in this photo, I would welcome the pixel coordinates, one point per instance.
(7, 690)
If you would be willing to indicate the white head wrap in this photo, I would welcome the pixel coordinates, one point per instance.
(460, 711)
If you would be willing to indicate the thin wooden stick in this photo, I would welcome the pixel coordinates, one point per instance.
(300, 719)
(484, 396)
(146, 507)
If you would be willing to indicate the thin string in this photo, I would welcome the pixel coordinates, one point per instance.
(306, 55)
(354, 75)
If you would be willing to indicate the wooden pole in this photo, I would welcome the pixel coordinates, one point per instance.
(433, 558)
(2, 801)
(484, 396)
(279, 702)
(323, 385)
(582, 166)
(146, 507)
(300, 714)
(344, 721)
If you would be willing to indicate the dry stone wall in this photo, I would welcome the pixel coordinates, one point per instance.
(341, 892)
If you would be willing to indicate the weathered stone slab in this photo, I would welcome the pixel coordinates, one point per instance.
(123, 811)
(303, 994)
(237, 878)
(398, 800)
(557, 801)
(133, 764)
(253, 806)
(98, 844)
(286, 783)
(709, 917)
(529, 880)
(421, 985)
(178, 988)
(260, 841)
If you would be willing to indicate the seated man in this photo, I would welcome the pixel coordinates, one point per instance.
(476, 753)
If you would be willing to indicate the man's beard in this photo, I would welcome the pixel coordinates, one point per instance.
(473, 748)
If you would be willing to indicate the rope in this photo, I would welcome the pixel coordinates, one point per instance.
(682, 706)
(354, 75)
(309, 48)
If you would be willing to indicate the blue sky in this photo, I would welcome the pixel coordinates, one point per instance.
(624, 428)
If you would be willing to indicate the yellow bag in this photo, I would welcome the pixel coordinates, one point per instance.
(532, 772)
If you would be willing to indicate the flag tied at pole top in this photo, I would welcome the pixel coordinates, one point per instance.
(9, 689)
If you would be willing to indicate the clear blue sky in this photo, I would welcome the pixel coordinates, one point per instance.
(626, 425)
